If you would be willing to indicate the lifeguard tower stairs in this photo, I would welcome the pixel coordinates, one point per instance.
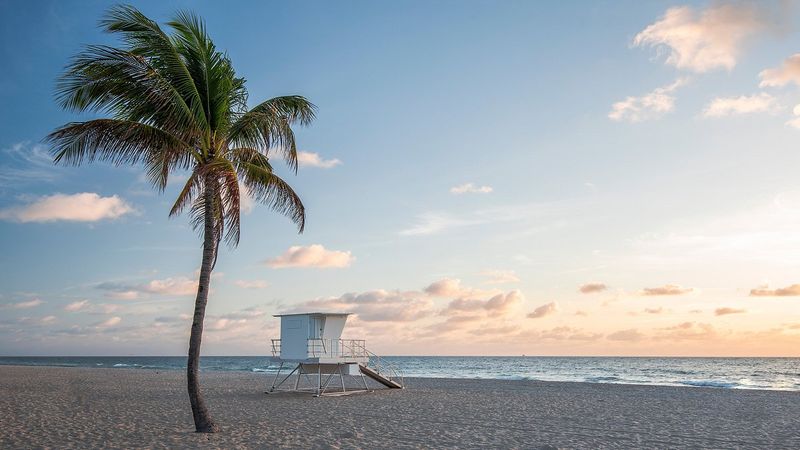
(312, 344)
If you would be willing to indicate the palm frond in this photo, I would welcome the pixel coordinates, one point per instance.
(145, 38)
(118, 142)
(268, 126)
(269, 189)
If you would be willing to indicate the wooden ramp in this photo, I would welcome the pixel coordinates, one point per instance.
(388, 382)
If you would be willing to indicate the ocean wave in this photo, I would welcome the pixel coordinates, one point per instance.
(601, 379)
(709, 383)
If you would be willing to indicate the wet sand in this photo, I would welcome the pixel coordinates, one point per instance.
(127, 408)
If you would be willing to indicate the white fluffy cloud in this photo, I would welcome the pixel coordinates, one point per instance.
(470, 188)
(745, 104)
(788, 72)
(311, 159)
(648, 106)
(311, 256)
(701, 41)
(82, 207)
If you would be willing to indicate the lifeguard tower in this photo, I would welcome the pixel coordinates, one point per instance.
(312, 343)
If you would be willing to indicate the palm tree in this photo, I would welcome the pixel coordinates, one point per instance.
(175, 104)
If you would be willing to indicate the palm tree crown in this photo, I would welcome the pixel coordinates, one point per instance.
(176, 104)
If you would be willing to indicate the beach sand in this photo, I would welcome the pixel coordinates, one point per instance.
(123, 408)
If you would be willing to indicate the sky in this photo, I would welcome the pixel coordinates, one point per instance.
(482, 178)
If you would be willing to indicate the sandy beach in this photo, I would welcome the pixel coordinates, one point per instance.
(123, 408)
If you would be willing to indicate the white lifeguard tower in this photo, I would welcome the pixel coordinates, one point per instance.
(312, 342)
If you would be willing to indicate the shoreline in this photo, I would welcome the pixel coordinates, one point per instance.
(689, 383)
(89, 407)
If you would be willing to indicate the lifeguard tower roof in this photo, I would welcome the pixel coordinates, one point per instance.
(313, 314)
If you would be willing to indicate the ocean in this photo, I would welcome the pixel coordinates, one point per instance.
(726, 373)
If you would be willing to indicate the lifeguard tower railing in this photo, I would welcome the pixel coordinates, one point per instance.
(346, 348)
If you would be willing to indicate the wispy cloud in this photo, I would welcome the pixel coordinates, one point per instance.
(83, 207)
(629, 335)
(26, 163)
(701, 41)
(667, 289)
(173, 286)
(744, 104)
(591, 288)
(726, 311)
(500, 276)
(648, 106)
(32, 303)
(311, 256)
(251, 284)
(470, 188)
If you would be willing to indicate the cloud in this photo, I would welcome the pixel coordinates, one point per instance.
(310, 159)
(451, 287)
(32, 303)
(251, 284)
(497, 305)
(648, 106)
(500, 276)
(446, 287)
(377, 306)
(630, 335)
(702, 41)
(83, 207)
(788, 72)
(172, 286)
(591, 288)
(246, 201)
(311, 256)
(109, 322)
(658, 310)
(470, 188)
(688, 331)
(432, 223)
(27, 163)
(725, 311)
(795, 122)
(667, 289)
(764, 291)
(544, 310)
(728, 106)
(77, 306)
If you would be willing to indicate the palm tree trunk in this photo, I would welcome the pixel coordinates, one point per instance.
(202, 418)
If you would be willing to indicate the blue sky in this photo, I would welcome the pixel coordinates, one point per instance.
(482, 178)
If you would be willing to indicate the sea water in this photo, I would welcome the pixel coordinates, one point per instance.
(732, 373)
